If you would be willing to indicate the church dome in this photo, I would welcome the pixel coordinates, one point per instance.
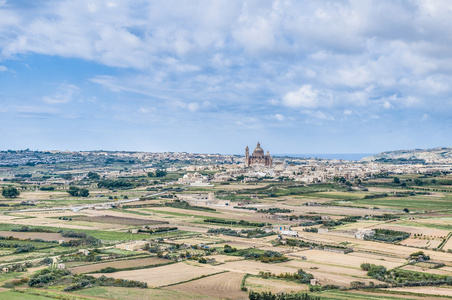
(258, 151)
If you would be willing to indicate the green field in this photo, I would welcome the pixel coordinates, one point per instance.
(424, 203)
(336, 195)
(357, 295)
(428, 225)
(107, 236)
(21, 296)
(136, 293)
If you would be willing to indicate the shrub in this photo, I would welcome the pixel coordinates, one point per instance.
(108, 270)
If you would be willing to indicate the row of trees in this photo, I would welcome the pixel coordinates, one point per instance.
(158, 173)
(78, 192)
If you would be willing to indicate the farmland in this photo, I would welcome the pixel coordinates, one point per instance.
(164, 275)
(135, 237)
(118, 220)
(215, 286)
(120, 264)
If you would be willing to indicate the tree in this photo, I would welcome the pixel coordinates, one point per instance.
(160, 173)
(376, 271)
(10, 192)
(93, 176)
(406, 210)
(417, 181)
(66, 176)
(151, 174)
(83, 193)
(73, 191)
(202, 260)
(396, 180)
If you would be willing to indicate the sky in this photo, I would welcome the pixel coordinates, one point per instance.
(213, 76)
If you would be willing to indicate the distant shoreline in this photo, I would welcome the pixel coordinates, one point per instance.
(345, 156)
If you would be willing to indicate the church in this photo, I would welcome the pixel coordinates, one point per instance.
(257, 158)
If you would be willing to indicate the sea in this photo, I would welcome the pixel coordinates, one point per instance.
(345, 156)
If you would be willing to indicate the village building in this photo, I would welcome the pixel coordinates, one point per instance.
(362, 233)
(132, 246)
(203, 199)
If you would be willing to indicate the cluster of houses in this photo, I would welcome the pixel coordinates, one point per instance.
(318, 170)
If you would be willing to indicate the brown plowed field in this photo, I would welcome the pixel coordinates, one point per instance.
(421, 243)
(375, 247)
(254, 267)
(426, 270)
(164, 275)
(218, 286)
(121, 264)
(448, 245)
(341, 280)
(431, 290)
(257, 284)
(345, 260)
(119, 220)
(415, 230)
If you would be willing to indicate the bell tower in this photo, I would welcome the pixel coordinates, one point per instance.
(247, 156)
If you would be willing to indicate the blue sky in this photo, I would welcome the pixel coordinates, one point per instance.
(354, 76)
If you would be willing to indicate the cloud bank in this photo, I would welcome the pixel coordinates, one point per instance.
(313, 66)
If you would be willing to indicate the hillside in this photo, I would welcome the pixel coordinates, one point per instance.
(442, 154)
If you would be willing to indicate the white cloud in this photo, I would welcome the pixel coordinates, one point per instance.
(145, 110)
(193, 106)
(3, 69)
(279, 117)
(29, 110)
(65, 94)
(256, 35)
(318, 115)
(330, 58)
(305, 97)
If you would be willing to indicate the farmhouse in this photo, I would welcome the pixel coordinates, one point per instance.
(194, 179)
(132, 246)
(84, 251)
(61, 266)
(285, 230)
(291, 233)
(362, 233)
(202, 199)
(338, 250)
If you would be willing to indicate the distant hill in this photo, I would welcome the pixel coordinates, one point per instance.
(416, 155)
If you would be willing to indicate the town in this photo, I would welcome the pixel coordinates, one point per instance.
(208, 225)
